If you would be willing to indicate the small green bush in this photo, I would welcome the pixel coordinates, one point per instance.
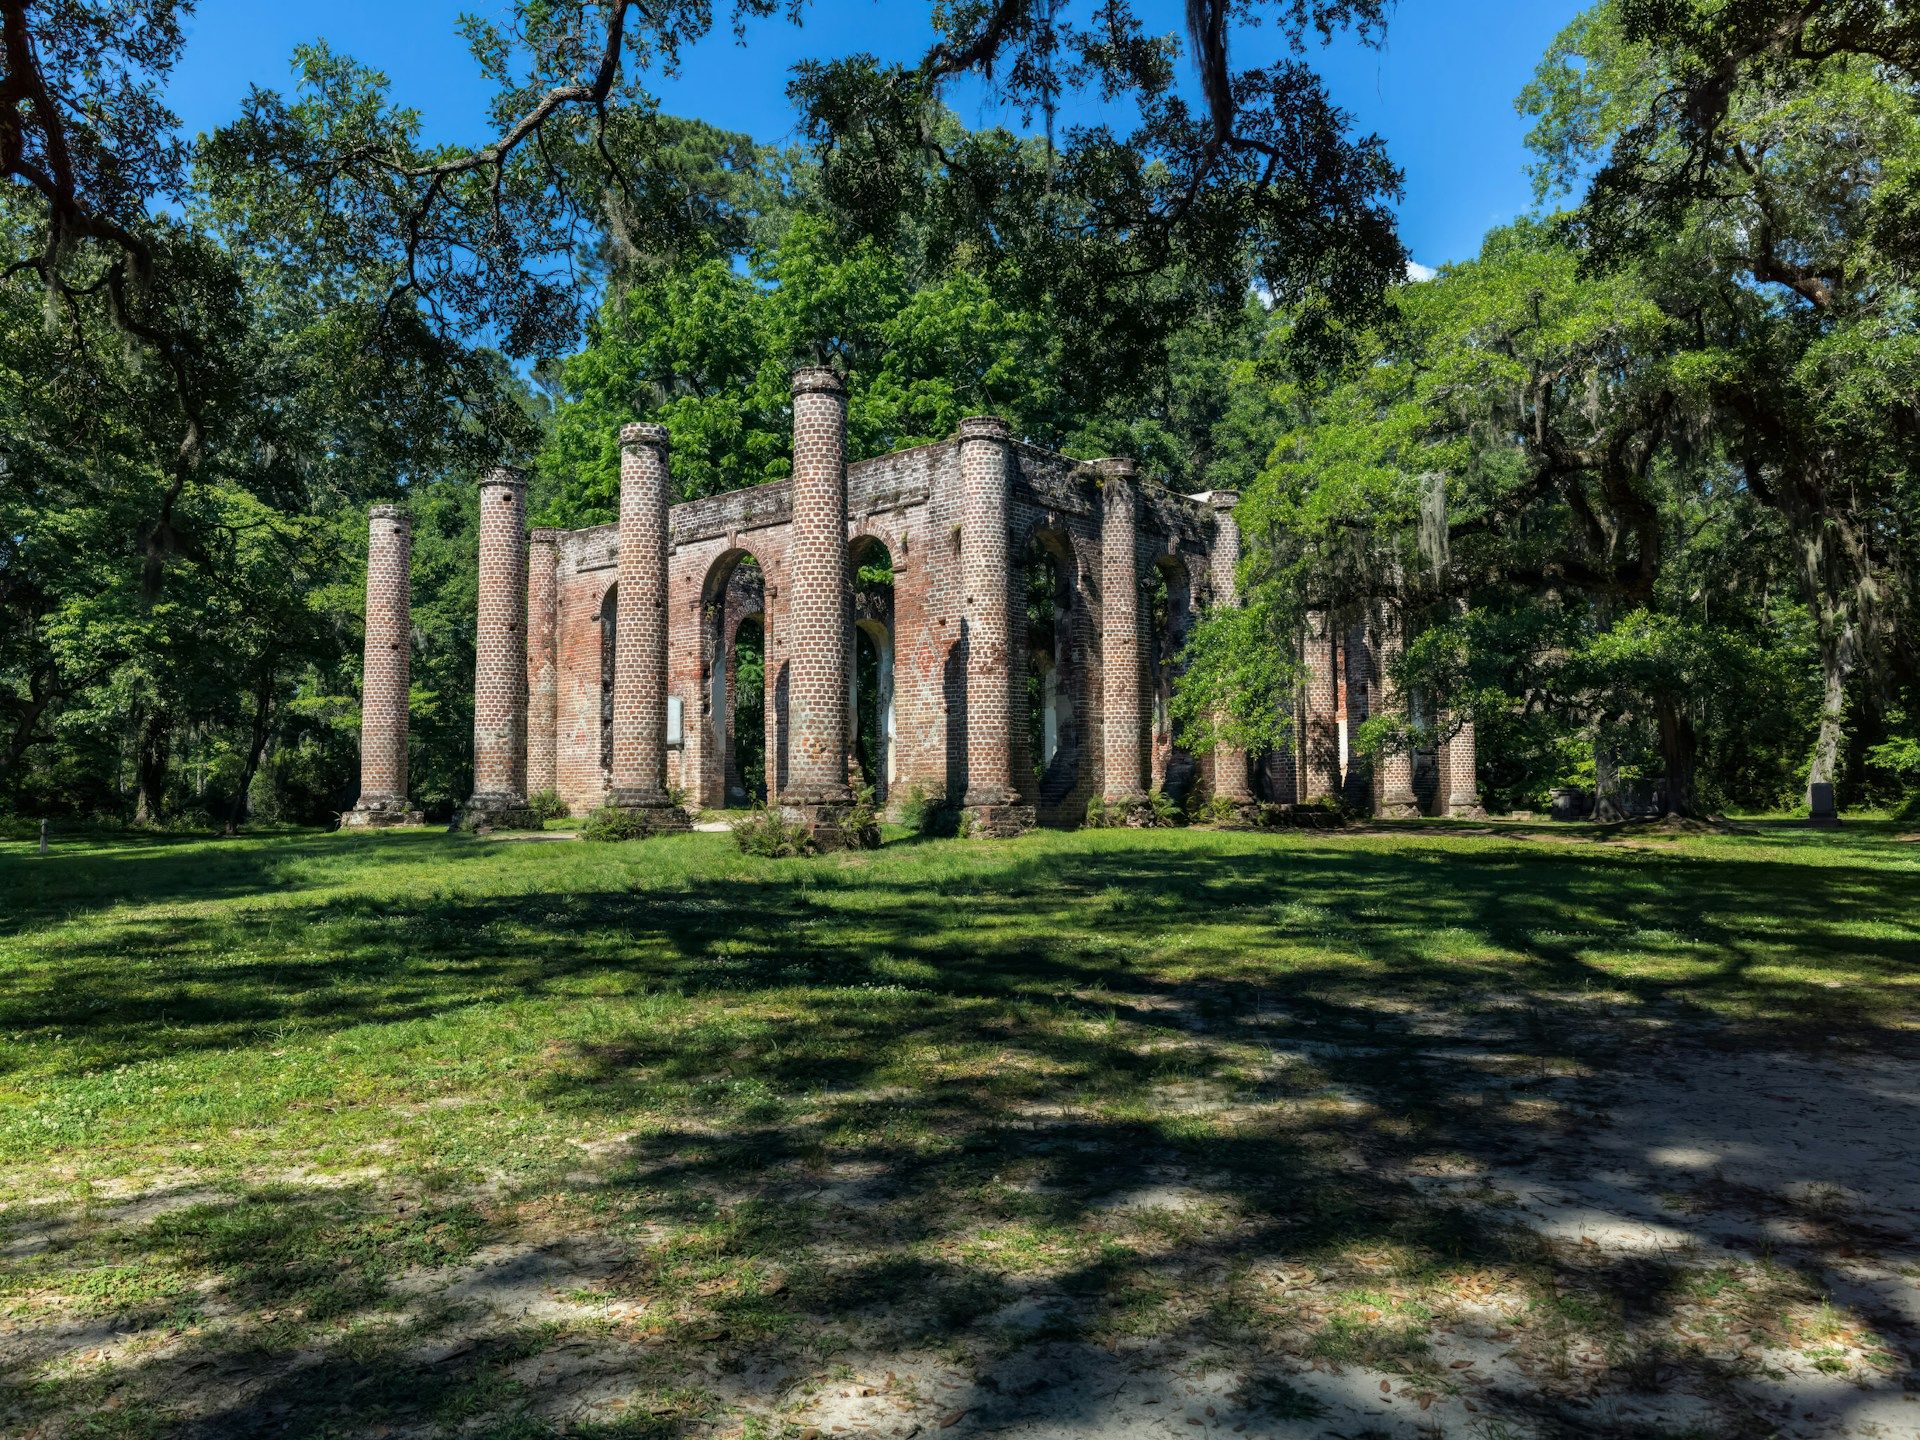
(1210, 809)
(547, 805)
(610, 822)
(766, 834)
(863, 819)
(925, 811)
(1158, 813)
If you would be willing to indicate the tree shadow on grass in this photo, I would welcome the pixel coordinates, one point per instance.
(1147, 1126)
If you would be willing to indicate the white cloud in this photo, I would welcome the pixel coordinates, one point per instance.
(1417, 272)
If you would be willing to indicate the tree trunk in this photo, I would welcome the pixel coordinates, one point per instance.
(155, 754)
(1606, 780)
(1838, 655)
(1677, 751)
(256, 747)
(23, 737)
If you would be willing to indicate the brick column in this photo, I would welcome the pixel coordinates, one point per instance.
(640, 633)
(500, 658)
(1232, 777)
(986, 576)
(819, 622)
(1122, 662)
(1460, 775)
(1393, 771)
(1319, 739)
(543, 681)
(385, 674)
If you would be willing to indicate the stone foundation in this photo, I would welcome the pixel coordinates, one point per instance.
(656, 813)
(999, 821)
(832, 826)
(380, 816)
(496, 812)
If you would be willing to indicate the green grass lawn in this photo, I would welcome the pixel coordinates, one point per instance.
(785, 1128)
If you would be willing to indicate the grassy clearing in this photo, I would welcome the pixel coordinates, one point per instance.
(326, 1133)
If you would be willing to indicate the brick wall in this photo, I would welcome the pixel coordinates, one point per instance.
(543, 579)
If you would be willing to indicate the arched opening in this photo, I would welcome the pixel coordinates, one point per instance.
(1049, 748)
(874, 736)
(747, 739)
(734, 726)
(1169, 618)
(609, 656)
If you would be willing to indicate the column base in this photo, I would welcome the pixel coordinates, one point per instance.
(656, 814)
(1237, 814)
(495, 812)
(380, 814)
(832, 825)
(1399, 805)
(997, 819)
(1465, 807)
(1130, 812)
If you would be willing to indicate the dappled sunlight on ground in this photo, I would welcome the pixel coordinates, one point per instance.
(1426, 1130)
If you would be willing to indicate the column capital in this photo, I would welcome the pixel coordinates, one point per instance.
(984, 427)
(1115, 468)
(543, 536)
(504, 476)
(1222, 500)
(642, 435)
(395, 513)
(818, 380)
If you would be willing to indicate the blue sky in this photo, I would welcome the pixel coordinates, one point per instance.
(1441, 93)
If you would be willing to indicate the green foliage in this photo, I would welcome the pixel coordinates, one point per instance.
(765, 834)
(1155, 812)
(926, 811)
(547, 805)
(611, 823)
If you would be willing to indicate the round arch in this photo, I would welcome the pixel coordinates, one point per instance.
(873, 731)
(1171, 604)
(1052, 720)
(738, 721)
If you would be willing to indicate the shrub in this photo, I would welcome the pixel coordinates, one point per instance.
(766, 834)
(610, 822)
(864, 820)
(1210, 810)
(1157, 813)
(547, 805)
(925, 811)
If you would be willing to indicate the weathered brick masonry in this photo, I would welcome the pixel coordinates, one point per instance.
(386, 673)
(588, 641)
(500, 656)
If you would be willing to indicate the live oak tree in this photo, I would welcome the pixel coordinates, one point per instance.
(1770, 153)
(307, 309)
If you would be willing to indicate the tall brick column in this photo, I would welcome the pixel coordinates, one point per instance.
(385, 674)
(1122, 662)
(543, 684)
(819, 613)
(993, 799)
(1232, 776)
(500, 658)
(1393, 771)
(640, 633)
(1319, 738)
(1460, 775)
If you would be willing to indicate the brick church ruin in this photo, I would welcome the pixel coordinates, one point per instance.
(880, 624)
